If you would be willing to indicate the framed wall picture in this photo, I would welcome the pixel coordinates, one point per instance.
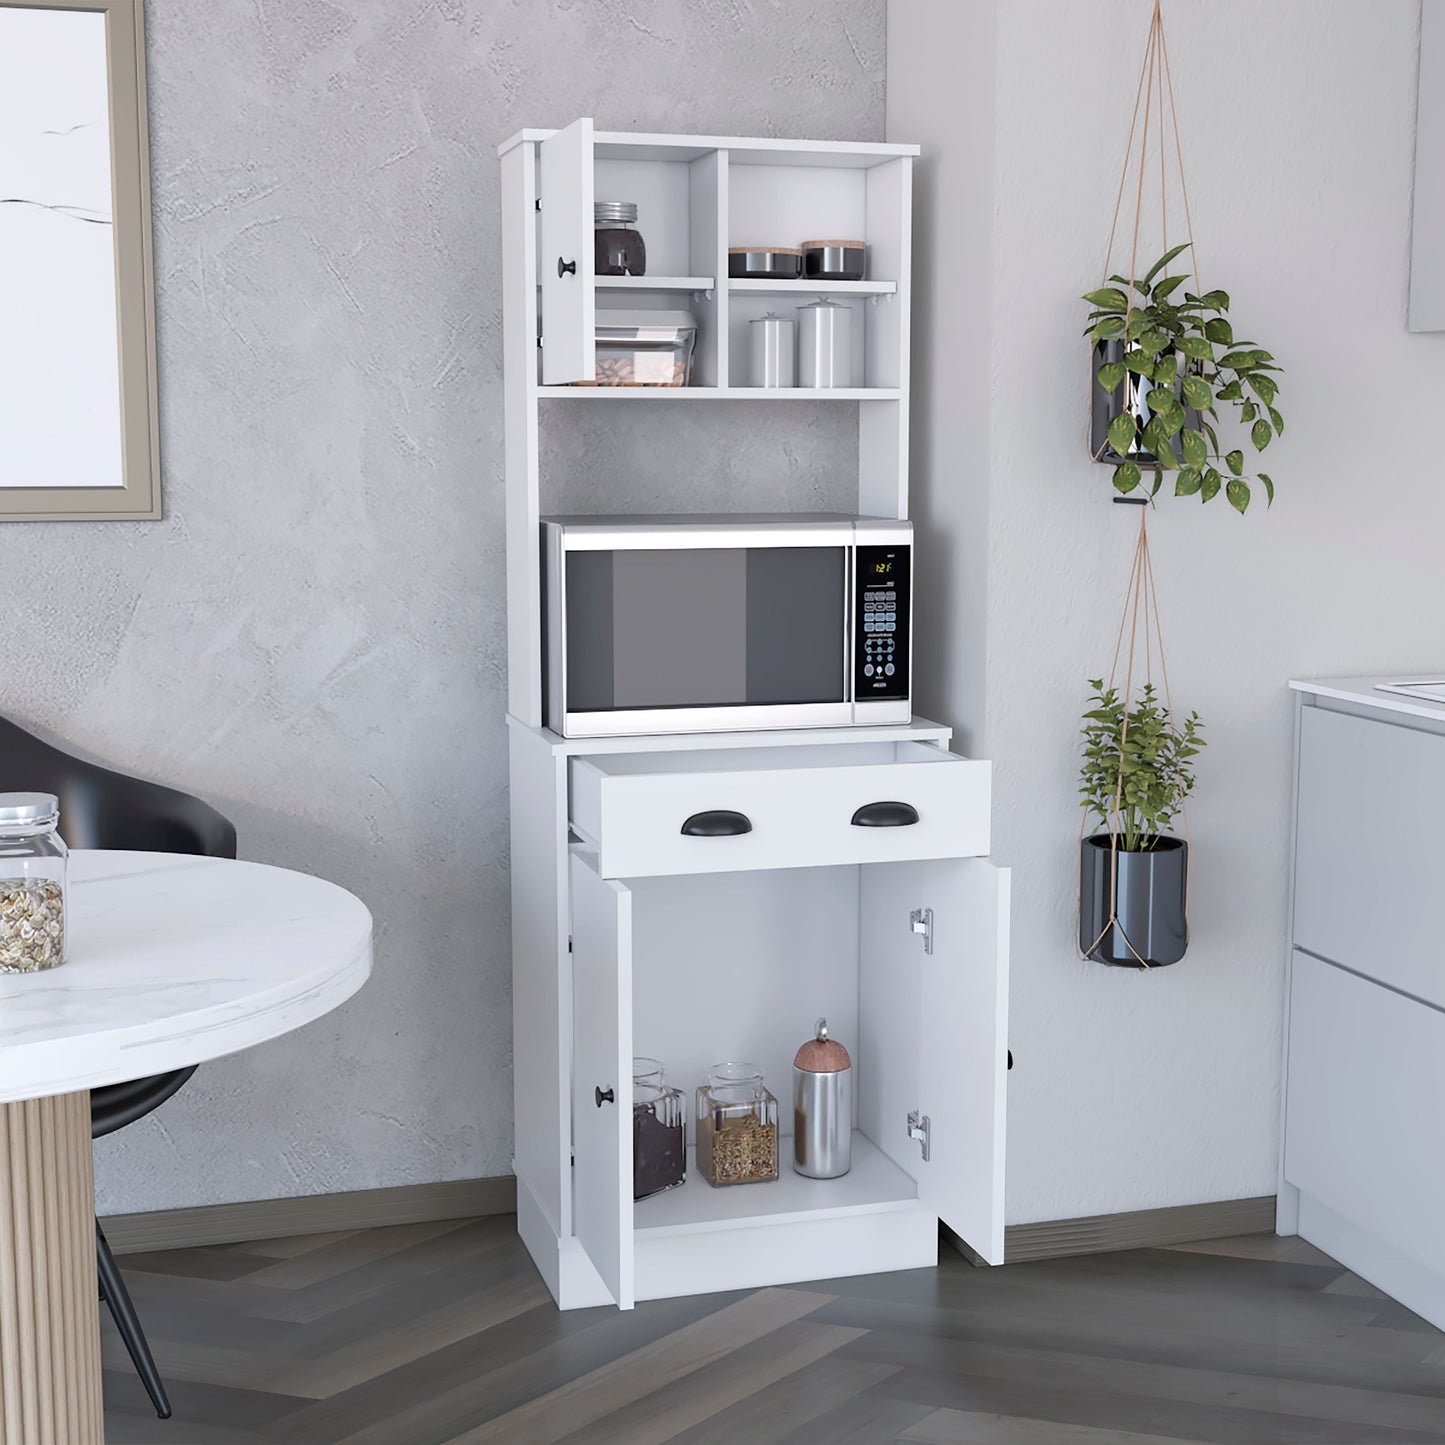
(79, 433)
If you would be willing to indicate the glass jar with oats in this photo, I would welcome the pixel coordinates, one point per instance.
(32, 883)
(737, 1126)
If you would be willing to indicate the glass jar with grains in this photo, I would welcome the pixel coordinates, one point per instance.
(32, 883)
(737, 1126)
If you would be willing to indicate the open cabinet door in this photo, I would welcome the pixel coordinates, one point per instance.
(602, 1029)
(569, 296)
(953, 1001)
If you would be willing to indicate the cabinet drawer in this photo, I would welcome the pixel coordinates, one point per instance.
(1370, 855)
(1362, 1118)
(787, 807)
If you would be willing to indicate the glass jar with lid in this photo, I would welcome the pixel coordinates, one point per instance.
(737, 1126)
(618, 248)
(659, 1145)
(32, 883)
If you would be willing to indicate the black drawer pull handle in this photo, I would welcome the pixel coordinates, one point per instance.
(604, 1096)
(565, 268)
(719, 823)
(885, 815)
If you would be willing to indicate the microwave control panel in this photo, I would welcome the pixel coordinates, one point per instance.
(881, 595)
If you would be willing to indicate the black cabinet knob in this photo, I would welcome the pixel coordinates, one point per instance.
(719, 823)
(885, 815)
(604, 1096)
(566, 268)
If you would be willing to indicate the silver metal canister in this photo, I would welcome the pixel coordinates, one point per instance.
(772, 341)
(825, 344)
(822, 1107)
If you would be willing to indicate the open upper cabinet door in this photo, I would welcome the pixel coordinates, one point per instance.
(602, 1064)
(569, 296)
(940, 1026)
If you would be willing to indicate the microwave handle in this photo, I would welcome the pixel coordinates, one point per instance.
(885, 815)
(717, 823)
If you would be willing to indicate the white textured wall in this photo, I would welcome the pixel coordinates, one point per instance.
(313, 637)
(1131, 1090)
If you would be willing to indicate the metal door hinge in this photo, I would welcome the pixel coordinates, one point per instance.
(918, 1129)
(921, 922)
(539, 203)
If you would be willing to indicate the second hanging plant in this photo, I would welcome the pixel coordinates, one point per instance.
(1138, 769)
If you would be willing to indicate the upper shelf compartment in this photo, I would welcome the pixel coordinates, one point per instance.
(696, 196)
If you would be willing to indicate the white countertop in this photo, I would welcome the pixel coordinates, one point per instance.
(1365, 690)
(173, 960)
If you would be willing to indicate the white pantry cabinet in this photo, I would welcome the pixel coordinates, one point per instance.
(631, 936)
(908, 959)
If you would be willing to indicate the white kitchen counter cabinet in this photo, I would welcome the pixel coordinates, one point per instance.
(1361, 1173)
(631, 937)
(694, 967)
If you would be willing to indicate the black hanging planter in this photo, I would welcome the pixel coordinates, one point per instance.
(1150, 903)
(1131, 395)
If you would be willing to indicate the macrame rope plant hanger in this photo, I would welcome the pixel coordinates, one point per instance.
(1141, 600)
(1141, 620)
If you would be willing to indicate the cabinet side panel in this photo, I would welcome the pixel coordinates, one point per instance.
(519, 330)
(889, 234)
(1286, 1216)
(541, 984)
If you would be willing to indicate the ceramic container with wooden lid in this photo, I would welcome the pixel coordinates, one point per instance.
(822, 1107)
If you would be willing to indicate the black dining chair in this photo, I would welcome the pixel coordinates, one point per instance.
(104, 809)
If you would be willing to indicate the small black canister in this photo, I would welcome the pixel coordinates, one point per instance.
(617, 243)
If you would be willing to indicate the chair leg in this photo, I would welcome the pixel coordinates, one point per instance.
(115, 1294)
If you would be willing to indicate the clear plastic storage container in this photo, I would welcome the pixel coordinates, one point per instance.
(644, 348)
(32, 883)
(659, 1145)
(737, 1127)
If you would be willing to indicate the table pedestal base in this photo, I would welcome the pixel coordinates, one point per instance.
(49, 1298)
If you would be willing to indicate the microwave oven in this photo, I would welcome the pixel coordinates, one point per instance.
(705, 624)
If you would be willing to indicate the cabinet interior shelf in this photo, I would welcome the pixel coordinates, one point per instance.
(874, 1183)
(739, 287)
(652, 283)
(724, 393)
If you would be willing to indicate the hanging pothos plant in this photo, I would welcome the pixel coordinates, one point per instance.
(1167, 363)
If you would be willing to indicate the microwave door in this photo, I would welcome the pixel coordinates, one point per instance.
(700, 638)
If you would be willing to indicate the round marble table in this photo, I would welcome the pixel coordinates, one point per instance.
(171, 960)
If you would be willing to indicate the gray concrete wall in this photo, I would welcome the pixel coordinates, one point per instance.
(313, 637)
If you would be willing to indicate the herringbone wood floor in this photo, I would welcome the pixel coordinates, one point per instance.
(438, 1333)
